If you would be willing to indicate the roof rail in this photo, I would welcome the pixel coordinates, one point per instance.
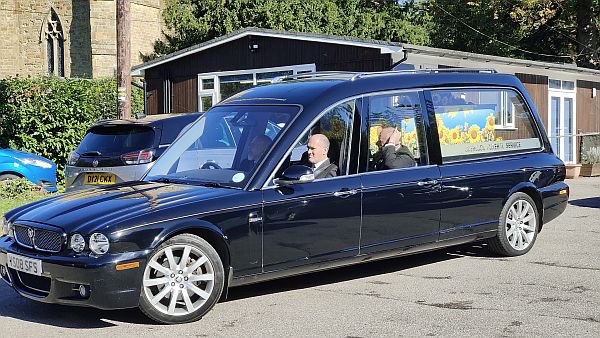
(358, 75)
(310, 75)
(426, 70)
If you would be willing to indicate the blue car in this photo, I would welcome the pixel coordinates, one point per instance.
(37, 169)
(360, 167)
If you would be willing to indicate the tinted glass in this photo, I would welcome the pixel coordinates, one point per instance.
(172, 127)
(116, 140)
(224, 146)
(396, 137)
(336, 126)
(467, 127)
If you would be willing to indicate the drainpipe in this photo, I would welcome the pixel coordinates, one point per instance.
(404, 58)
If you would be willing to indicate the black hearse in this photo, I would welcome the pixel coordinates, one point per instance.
(359, 167)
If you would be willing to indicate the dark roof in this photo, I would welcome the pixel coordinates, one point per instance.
(149, 120)
(318, 91)
(385, 46)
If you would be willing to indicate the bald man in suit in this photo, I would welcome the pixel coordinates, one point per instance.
(318, 146)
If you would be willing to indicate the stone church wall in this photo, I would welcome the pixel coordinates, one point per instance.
(89, 28)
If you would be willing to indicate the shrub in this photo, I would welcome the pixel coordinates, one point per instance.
(18, 187)
(49, 116)
(591, 156)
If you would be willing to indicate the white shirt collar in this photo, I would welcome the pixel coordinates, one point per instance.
(318, 164)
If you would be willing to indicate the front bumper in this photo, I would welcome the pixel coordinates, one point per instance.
(62, 275)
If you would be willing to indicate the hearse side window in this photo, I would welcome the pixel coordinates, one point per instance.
(336, 124)
(396, 133)
(468, 127)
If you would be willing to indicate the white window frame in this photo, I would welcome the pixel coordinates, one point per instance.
(563, 94)
(207, 92)
(216, 92)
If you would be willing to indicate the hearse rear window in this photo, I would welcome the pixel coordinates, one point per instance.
(482, 123)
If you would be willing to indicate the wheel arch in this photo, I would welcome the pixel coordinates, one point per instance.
(207, 231)
(531, 190)
(16, 173)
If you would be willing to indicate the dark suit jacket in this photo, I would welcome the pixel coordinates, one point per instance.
(327, 169)
(391, 158)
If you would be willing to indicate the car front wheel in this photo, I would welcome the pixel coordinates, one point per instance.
(518, 226)
(182, 281)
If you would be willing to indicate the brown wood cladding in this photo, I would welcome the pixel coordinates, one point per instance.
(236, 55)
(588, 111)
(537, 88)
(523, 129)
(587, 121)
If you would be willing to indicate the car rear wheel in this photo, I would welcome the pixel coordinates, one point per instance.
(182, 281)
(518, 226)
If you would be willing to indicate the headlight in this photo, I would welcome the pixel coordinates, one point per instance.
(99, 244)
(77, 243)
(36, 162)
(6, 228)
(73, 158)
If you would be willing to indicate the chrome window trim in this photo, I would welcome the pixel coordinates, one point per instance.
(529, 111)
(320, 115)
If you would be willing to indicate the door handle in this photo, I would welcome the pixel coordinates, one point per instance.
(424, 183)
(345, 193)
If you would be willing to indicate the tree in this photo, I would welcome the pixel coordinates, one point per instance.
(190, 22)
(547, 30)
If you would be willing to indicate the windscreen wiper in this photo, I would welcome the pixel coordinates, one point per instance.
(211, 184)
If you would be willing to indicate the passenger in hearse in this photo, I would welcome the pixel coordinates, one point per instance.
(392, 154)
(318, 147)
(258, 146)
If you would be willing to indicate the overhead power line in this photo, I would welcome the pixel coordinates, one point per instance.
(502, 42)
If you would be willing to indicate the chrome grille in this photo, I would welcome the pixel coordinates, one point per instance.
(42, 239)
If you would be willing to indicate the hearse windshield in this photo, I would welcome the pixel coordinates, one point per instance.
(223, 147)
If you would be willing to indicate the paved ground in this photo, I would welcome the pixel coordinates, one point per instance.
(552, 291)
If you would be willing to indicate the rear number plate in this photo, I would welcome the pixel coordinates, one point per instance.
(99, 179)
(24, 264)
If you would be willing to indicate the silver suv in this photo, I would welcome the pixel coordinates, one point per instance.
(116, 151)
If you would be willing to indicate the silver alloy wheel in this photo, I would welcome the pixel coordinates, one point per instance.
(521, 224)
(178, 279)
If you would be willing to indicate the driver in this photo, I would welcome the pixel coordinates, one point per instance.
(258, 146)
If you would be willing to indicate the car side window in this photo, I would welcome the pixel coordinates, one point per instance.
(478, 123)
(396, 132)
(336, 126)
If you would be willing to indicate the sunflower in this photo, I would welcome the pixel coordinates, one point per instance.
(455, 136)
(490, 122)
(474, 135)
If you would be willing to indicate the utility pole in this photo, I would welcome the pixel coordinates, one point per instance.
(123, 59)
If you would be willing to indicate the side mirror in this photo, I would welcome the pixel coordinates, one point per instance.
(295, 174)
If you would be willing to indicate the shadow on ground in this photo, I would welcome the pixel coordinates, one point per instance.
(591, 202)
(17, 307)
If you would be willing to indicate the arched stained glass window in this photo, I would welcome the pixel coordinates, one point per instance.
(55, 42)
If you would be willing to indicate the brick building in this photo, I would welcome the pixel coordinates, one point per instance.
(71, 38)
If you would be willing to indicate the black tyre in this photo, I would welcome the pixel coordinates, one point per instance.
(182, 281)
(6, 177)
(517, 227)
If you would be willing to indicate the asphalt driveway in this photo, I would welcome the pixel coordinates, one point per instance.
(554, 290)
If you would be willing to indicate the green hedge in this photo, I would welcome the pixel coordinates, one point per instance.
(49, 116)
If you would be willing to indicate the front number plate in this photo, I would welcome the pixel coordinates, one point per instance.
(24, 264)
(99, 179)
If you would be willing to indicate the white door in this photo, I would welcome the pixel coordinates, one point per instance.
(561, 124)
